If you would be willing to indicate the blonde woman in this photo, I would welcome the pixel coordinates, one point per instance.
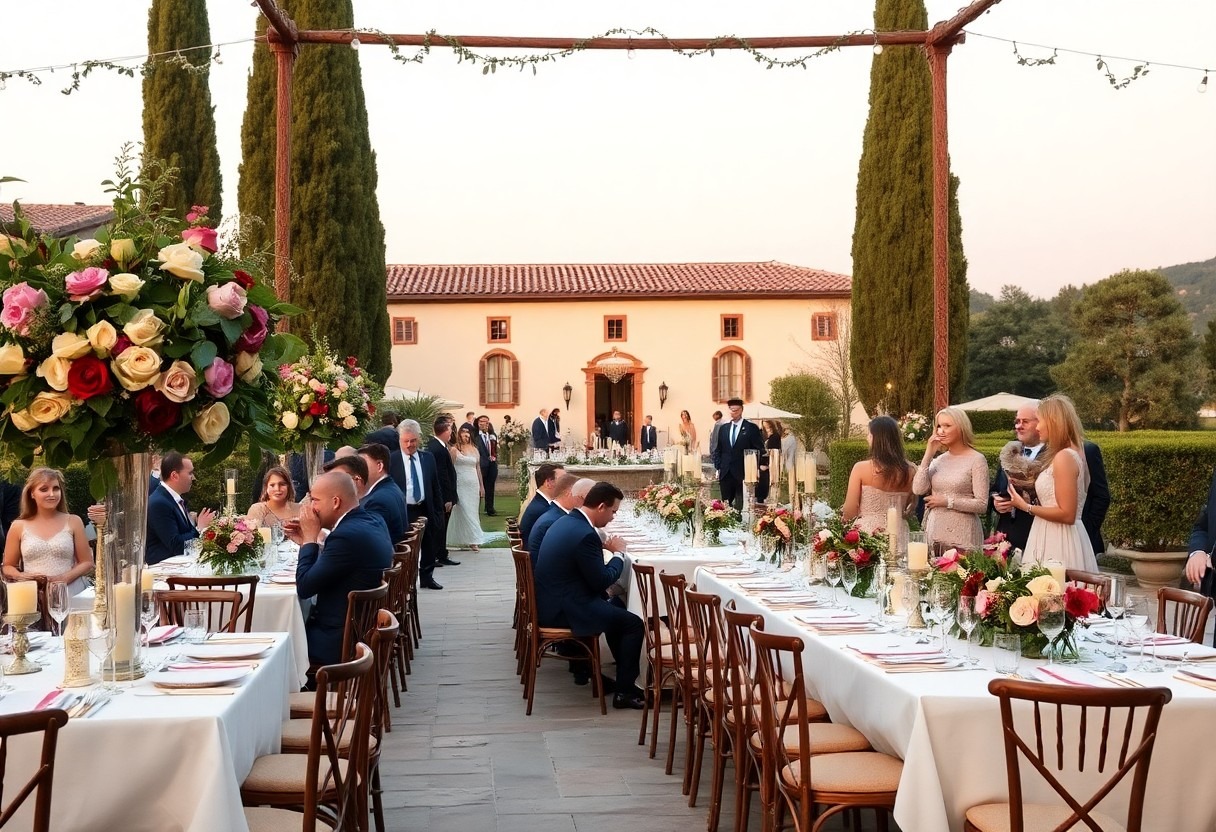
(46, 542)
(278, 503)
(954, 484)
(1057, 533)
(688, 433)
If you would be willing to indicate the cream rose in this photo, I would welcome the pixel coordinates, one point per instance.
(248, 367)
(102, 337)
(136, 368)
(1024, 611)
(345, 409)
(211, 422)
(125, 285)
(350, 422)
(994, 584)
(6, 245)
(69, 345)
(55, 371)
(179, 383)
(85, 249)
(12, 360)
(50, 407)
(182, 261)
(122, 250)
(290, 420)
(1043, 585)
(23, 420)
(145, 329)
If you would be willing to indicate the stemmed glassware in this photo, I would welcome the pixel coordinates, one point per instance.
(101, 643)
(1051, 621)
(149, 614)
(848, 577)
(1116, 602)
(58, 604)
(967, 621)
(833, 574)
(941, 608)
(1141, 622)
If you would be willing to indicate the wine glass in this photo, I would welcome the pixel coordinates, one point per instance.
(1143, 624)
(58, 604)
(942, 607)
(1116, 602)
(833, 573)
(101, 643)
(848, 577)
(149, 613)
(967, 622)
(1051, 621)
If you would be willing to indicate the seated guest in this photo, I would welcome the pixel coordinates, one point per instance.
(278, 502)
(546, 486)
(571, 489)
(169, 524)
(354, 467)
(45, 542)
(382, 496)
(356, 553)
(571, 578)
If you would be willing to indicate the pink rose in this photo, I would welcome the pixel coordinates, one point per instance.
(200, 237)
(196, 213)
(251, 339)
(948, 562)
(219, 377)
(983, 602)
(227, 301)
(21, 300)
(86, 284)
(119, 345)
(852, 536)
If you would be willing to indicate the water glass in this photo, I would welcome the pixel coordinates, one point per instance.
(848, 577)
(1116, 601)
(833, 575)
(194, 622)
(59, 604)
(967, 621)
(1006, 653)
(1051, 621)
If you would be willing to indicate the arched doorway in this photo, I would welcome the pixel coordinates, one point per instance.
(605, 396)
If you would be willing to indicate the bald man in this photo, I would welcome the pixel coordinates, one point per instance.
(568, 496)
(356, 553)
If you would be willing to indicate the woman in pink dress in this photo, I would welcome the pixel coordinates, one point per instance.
(955, 484)
(885, 473)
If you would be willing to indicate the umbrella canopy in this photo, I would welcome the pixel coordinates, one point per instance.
(998, 401)
(759, 410)
(391, 392)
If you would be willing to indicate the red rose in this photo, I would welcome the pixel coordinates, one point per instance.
(155, 414)
(119, 345)
(351, 361)
(88, 377)
(861, 557)
(318, 409)
(1079, 603)
(371, 410)
(852, 536)
(252, 338)
(356, 372)
(209, 534)
(972, 585)
(242, 278)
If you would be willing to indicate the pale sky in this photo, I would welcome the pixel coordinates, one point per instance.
(602, 157)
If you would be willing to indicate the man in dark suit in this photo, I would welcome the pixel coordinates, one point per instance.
(169, 524)
(487, 446)
(713, 433)
(1014, 524)
(381, 495)
(546, 492)
(618, 431)
(356, 553)
(540, 432)
(570, 491)
(555, 428)
(385, 435)
(571, 578)
(437, 447)
(470, 423)
(415, 474)
(1199, 569)
(734, 438)
(1097, 498)
(650, 436)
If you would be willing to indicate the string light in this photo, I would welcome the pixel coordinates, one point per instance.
(354, 43)
(878, 49)
(1203, 85)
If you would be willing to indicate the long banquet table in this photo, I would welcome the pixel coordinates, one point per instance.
(945, 726)
(156, 763)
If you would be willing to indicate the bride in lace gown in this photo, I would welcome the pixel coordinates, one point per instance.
(464, 525)
(873, 481)
(1057, 532)
(47, 541)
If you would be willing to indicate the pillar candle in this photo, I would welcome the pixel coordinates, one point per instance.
(892, 529)
(265, 532)
(812, 472)
(231, 486)
(918, 555)
(897, 593)
(751, 469)
(1057, 571)
(145, 580)
(22, 598)
(124, 621)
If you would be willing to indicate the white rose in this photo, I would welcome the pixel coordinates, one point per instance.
(181, 260)
(125, 285)
(85, 249)
(179, 382)
(211, 422)
(122, 250)
(55, 371)
(49, 407)
(994, 585)
(1043, 585)
(136, 368)
(12, 360)
(825, 534)
(145, 329)
(69, 345)
(23, 420)
(345, 409)
(102, 337)
(248, 367)
(349, 422)
(290, 420)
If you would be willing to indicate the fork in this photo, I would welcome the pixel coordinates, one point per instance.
(84, 704)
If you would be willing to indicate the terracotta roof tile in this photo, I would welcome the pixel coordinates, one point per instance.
(600, 280)
(61, 220)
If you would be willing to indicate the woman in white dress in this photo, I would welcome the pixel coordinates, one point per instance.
(1057, 533)
(46, 542)
(688, 434)
(464, 525)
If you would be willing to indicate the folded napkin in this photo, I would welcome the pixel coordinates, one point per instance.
(161, 634)
(1071, 676)
(796, 600)
(1192, 652)
(208, 665)
(1202, 675)
(1159, 639)
(841, 629)
(821, 616)
(890, 653)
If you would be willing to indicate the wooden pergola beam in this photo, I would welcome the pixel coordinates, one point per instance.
(330, 36)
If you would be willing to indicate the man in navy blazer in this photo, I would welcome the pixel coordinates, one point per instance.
(540, 431)
(386, 434)
(571, 578)
(1097, 497)
(650, 436)
(357, 551)
(571, 489)
(486, 441)
(1199, 569)
(415, 473)
(546, 492)
(555, 428)
(382, 496)
(734, 438)
(169, 524)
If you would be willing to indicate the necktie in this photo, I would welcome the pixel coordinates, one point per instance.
(415, 479)
(181, 504)
(1027, 452)
(734, 433)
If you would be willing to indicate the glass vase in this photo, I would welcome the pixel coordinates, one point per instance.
(314, 460)
(119, 573)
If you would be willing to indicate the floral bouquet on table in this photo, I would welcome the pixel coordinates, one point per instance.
(676, 506)
(915, 427)
(321, 399)
(512, 438)
(717, 517)
(647, 501)
(146, 336)
(836, 539)
(230, 546)
(781, 529)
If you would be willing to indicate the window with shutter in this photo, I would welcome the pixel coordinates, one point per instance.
(499, 382)
(823, 326)
(614, 327)
(732, 370)
(405, 331)
(498, 330)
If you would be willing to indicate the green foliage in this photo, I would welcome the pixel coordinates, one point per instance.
(893, 236)
(178, 119)
(980, 301)
(1012, 346)
(809, 395)
(1134, 361)
(1195, 287)
(1209, 350)
(422, 409)
(255, 174)
(993, 421)
(337, 236)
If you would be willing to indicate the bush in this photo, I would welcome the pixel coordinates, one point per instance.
(992, 421)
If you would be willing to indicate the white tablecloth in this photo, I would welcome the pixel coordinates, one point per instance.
(685, 562)
(947, 729)
(156, 763)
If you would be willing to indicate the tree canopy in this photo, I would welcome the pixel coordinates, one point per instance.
(811, 397)
(1012, 346)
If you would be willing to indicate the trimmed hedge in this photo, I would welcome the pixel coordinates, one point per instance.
(1158, 481)
(992, 421)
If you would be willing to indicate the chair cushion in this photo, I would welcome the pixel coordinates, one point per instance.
(265, 819)
(297, 733)
(857, 772)
(302, 703)
(1036, 817)
(815, 711)
(826, 738)
(283, 774)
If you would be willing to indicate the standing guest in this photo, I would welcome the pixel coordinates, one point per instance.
(789, 448)
(713, 432)
(688, 434)
(956, 483)
(571, 578)
(1199, 569)
(278, 502)
(470, 421)
(357, 551)
(540, 431)
(45, 541)
(555, 428)
(414, 471)
(618, 431)
(169, 525)
(735, 437)
(386, 434)
(772, 442)
(355, 468)
(1097, 498)
(571, 490)
(487, 448)
(546, 492)
(153, 477)
(440, 448)
(464, 529)
(298, 467)
(886, 471)
(1014, 524)
(650, 436)
(382, 496)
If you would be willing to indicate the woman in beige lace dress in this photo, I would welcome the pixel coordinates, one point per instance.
(688, 433)
(278, 503)
(955, 483)
(46, 542)
(884, 474)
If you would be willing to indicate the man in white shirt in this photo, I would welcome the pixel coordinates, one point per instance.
(1014, 524)
(169, 523)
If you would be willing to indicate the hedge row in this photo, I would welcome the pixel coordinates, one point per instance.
(992, 421)
(1158, 481)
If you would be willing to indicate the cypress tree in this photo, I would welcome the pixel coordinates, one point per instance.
(179, 121)
(337, 239)
(892, 337)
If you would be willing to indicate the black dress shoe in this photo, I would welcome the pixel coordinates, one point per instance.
(581, 678)
(491, 514)
(631, 701)
(431, 583)
(447, 562)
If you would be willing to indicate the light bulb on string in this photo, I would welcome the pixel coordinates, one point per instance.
(354, 42)
(1203, 85)
(878, 49)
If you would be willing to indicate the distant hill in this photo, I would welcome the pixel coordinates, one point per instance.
(1195, 284)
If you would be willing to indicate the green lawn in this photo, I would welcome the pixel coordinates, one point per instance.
(505, 506)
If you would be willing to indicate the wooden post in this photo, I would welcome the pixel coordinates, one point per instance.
(941, 229)
(285, 57)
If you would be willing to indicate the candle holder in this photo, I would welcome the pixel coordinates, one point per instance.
(916, 621)
(230, 491)
(99, 569)
(20, 622)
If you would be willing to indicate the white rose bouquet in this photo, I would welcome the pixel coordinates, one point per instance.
(322, 399)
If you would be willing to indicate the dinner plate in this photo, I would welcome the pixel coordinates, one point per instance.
(176, 560)
(282, 579)
(218, 651)
(199, 678)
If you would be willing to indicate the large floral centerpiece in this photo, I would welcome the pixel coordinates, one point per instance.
(915, 427)
(147, 335)
(1007, 595)
(671, 503)
(779, 531)
(835, 539)
(321, 399)
(512, 438)
(716, 518)
(230, 546)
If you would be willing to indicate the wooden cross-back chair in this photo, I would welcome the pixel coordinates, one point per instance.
(1189, 615)
(1096, 581)
(47, 723)
(222, 607)
(247, 585)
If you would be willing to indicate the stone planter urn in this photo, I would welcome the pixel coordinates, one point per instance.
(1153, 570)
